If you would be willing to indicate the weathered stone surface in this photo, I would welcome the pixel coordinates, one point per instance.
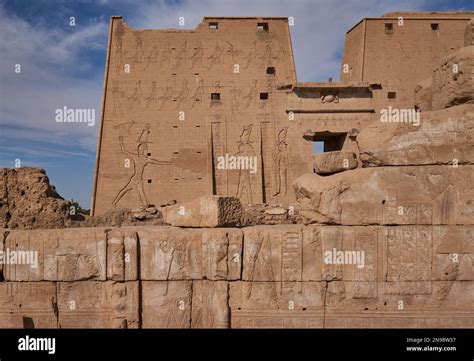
(28, 305)
(222, 254)
(169, 253)
(62, 255)
(210, 308)
(453, 253)
(265, 214)
(469, 33)
(277, 305)
(423, 95)
(122, 256)
(93, 304)
(398, 195)
(443, 137)
(28, 200)
(279, 253)
(453, 82)
(334, 162)
(444, 305)
(206, 211)
(3, 236)
(166, 304)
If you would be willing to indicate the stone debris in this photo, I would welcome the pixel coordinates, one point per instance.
(205, 211)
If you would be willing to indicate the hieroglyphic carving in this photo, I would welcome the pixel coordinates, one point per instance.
(251, 96)
(139, 53)
(152, 57)
(234, 98)
(232, 52)
(365, 277)
(91, 304)
(196, 57)
(166, 304)
(251, 54)
(117, 95)
(62, 255)
(28, 305)
(215, 57)
(299, 306)
(181, 55)
(219, 136)
(198, 93)
(267, 57)
(280, 159)
(166, 54)
(396, 211)
(210, 307)
(245, 149)
(136, 96)
(153, 96)
(329, 98)
(188, 254)
(408, 260)
(291, 262)
(182, 96)
(139, 161)
(167, 95)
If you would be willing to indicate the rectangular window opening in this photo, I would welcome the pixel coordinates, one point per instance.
(392, 95)
(434, 26)
(263, 96)
(326, 141)
(213, 26)
(215, 97)
(388, 28)
(262, 26)
(271, 70)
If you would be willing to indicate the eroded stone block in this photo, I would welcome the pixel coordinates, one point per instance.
(310, 253)
(210, 308)
(169, 253)
(93, 304)
(453, 253)
(443, 137)
(398, 195)
(122, 258)
(334, 162)
(166, 304)
(28, 305)
(447, 305)
(61, 254)
(205, 211)
(277, 305)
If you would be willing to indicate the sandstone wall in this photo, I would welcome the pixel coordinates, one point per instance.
(162, 135)
(262, 276)
(403, 55)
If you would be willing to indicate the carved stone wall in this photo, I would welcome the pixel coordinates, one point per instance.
(263, 276)
(178, 101)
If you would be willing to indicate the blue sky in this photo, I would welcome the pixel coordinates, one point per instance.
(63, 65)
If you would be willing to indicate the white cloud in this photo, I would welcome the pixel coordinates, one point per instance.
(50, 64)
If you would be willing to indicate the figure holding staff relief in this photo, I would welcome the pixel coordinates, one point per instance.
(140, 160)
